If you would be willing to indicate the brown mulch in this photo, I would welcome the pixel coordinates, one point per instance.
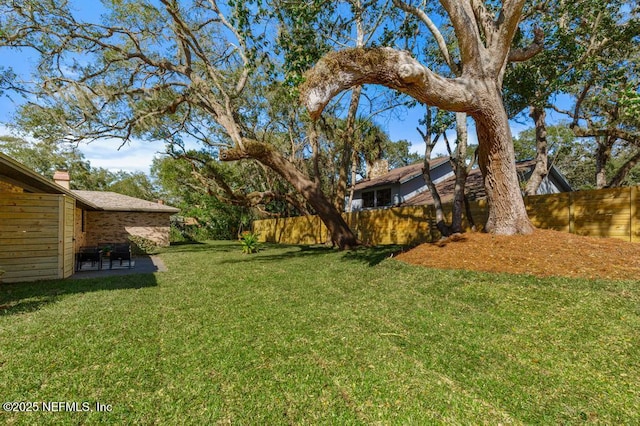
(544, 253)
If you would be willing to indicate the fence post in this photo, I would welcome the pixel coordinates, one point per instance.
(572, 227)
(633, 214)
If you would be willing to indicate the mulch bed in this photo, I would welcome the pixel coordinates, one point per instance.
(544, 253)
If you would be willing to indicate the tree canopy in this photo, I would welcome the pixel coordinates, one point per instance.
(226, 75)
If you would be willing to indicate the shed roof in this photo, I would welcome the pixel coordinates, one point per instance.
(112, 201)
(17, 174)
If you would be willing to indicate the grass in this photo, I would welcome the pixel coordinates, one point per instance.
(314, 336)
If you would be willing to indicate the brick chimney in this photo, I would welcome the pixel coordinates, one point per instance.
(161, 202)
(379, 168)
(61, 177)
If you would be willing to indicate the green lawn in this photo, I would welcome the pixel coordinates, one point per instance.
(312, 335)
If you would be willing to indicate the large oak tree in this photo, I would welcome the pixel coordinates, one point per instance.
(484, 36)
(170, 70)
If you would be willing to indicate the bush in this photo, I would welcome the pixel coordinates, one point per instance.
(141, 245)
(249, 242)
(176, 235)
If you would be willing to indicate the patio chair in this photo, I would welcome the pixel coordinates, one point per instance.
(88, 254)
(120, 252)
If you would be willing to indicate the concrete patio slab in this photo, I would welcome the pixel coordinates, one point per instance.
(139, 265)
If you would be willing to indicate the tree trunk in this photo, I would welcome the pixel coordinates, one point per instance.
(476, 93)
(441, 224)
(603, 154)
(623, 171)
(461, 173)
(347, 148)
(429, 144)
(542, 163)
(354, 173)
(341, 234)
(507, 213)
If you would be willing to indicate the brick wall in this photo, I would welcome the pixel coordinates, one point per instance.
(118, 226)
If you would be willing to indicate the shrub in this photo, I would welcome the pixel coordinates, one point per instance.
(249, 242)
(176, 235)
(141, 245)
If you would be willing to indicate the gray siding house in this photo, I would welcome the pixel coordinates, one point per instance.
(405, 186)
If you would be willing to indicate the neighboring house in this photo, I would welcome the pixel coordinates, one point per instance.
(405, 186)
(43, 223)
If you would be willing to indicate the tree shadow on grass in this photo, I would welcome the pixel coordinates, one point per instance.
(284, 251)
(373, 255)
(369, 255)
(198, 246)
(19, 298)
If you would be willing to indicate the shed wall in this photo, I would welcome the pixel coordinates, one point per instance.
(29, 236)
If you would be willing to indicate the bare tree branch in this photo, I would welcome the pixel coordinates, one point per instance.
(437, 35)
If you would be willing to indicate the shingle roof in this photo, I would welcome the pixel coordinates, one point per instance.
(399, 175)
(474, 189)
(112, 201)
(474, 186)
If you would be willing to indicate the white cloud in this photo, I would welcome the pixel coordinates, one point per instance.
(132, 157)
(135, 156)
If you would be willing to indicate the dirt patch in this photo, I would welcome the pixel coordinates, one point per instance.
(544, 253)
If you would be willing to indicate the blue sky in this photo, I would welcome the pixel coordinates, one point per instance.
(135, 156)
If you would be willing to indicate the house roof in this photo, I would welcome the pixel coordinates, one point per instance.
(527, 166)
(474, 187)
(112, 201)
(399, 175)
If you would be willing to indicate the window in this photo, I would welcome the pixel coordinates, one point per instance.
(383, 197)
(376, 198)
(368, 199)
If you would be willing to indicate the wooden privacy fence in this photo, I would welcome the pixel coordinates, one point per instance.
(599, 213)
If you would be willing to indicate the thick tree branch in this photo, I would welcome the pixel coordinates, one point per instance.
(582, 132)
(507, 22)
(622, 173)
(466, 30)
(338, 71)
(536, 46)
(484, 21)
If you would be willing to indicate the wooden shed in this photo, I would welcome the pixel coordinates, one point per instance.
(44, 223)
(37, 225)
